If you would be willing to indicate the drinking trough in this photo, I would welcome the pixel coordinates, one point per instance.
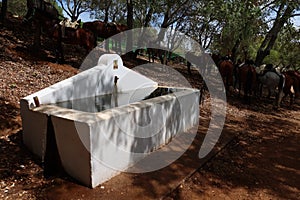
(104, 120)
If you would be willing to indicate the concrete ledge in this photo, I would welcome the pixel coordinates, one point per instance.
(95, 146)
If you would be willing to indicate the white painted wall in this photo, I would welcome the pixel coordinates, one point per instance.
(95, 146)
(92, 82)
(95, 81)
(116, 140)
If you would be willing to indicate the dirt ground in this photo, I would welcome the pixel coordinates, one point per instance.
(257, 156)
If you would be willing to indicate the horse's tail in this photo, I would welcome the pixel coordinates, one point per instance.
(281, 82)
(296, 86)
(279, 96)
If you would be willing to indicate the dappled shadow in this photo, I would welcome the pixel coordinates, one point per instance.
(16, 162)
(149, 185)
(21, 43)
(266, 159)
(8, 117)
(262, 161)
(24, 171)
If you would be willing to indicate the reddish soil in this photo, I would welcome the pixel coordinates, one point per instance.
(257, 156)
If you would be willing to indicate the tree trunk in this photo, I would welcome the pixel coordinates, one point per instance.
(271, 36)
(129, 41)
(74, 18)
(37, 34)
(234, 49)
(146, 24)
(3, 10)
(148, 17)
(106, 15)
(164, 26)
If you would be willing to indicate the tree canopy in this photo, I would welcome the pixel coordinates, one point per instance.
(261, 30)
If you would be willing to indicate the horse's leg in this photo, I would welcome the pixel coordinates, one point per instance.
(150, 55)
(234, 82)
(269, 93)
(283, 99)
(247, 94)
(153, 56)
(240, 85)
(296, 90)
(235, 78)
(291, 99)
(230, 78)
(227, 81)
(260, 89)
(278, 98)
(59, 55)
(248, 88)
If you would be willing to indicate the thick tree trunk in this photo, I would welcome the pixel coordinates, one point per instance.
(37, 34)
(148, 17)
(146, 24)
(3, 10)
(106, 15)
(272, 35)
(74, 18)
(234, 49)
(106, 11)
(164, 26)
(129, 45)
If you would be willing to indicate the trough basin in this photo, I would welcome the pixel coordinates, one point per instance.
(105, 120)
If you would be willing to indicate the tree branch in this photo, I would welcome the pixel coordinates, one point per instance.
(295, 15)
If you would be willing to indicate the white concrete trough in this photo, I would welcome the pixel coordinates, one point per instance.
(105, 119)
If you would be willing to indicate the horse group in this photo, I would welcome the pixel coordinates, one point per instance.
(45, 16)
(251, 80)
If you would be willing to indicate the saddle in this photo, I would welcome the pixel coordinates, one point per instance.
(67, 23)
(270, 70)
(112, 26)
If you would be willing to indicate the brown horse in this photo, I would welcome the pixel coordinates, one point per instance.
(79, 36)
(226, 70)
(291, 87)
(104, 30)
(216, 58)
(247, 80)
(121, 28)
(45, 16)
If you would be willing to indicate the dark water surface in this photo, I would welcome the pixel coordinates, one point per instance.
(108, 101)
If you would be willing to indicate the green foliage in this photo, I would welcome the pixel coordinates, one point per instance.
(17, 7)
(59, 9)
(273, 58)
(288, 44)
(218, 25)
(114, 9)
